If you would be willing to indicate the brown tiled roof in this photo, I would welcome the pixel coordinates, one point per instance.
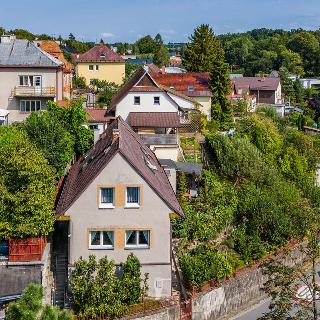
(125, 88)
(154, 119)
(54, 50)
(256, 83)
(181, 81)
(99, 53)
(96, 114)
(131, 147)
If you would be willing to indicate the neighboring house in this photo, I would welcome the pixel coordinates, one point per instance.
(118, 200)
(101, 63)
(251, 100)
(52, 47)
(97, 119)
(29, 77)
(266, 90)
(191, 84)
(310, 83)
(154, 111)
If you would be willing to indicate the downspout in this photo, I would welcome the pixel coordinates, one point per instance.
(57, 85)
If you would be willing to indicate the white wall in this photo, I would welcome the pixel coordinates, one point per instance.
(126, 105)
(9, 79)
(183, 103)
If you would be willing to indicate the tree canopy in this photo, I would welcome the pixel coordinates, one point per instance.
(27, 187)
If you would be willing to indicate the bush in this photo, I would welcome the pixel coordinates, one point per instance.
(97, 290)
(203, 264)
(30, 307)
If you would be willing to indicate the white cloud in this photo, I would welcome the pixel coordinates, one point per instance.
(107, 35)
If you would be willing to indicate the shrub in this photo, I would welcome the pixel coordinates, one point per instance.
(203, 264)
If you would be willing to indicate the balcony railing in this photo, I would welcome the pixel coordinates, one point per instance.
(159, 139)
(34, 92)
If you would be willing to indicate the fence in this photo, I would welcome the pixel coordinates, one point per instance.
(26, 250)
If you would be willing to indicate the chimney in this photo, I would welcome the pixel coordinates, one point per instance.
(101, 43)
(7, 38)
(115, 134)
(96, 135)
(163, 70)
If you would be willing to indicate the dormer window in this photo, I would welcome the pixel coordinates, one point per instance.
(190, 88)
(102, 56)
(171, 87)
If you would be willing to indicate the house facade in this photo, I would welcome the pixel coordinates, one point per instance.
(100, 63)
(118, 200)
(29, 77)
(154, 111)
(266, 90)
(191, 84)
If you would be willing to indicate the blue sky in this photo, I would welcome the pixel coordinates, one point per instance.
(127, 20)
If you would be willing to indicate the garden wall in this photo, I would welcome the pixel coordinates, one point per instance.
(235, 293)
(169, 313)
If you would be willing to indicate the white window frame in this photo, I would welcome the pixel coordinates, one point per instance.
(134, 204)
(30, 102)
(91, 65)
(97, 67)
(154, 100)
(190, 88)
(106, 205)
(137, 245)
(134, 100)
(101, 246)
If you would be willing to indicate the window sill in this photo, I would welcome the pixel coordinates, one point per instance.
(101, 248)
(134, 206)
(137, 248)
(106, 207)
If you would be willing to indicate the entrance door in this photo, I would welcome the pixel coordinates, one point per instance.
(38, 84)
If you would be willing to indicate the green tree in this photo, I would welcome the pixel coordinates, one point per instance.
(161, 56)
(282, 282)
(74, 120)
(23, 34)
(105, 91)
(27, 187)
(145, 45)
(203, 50)
(80, 82)
(30, 307)
(50, 136)
(131, 68)
(131, 280)
(220, 86)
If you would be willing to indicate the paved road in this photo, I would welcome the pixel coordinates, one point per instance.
(254, 313)
(258, 310)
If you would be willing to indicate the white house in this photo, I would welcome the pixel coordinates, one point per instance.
(153, 111)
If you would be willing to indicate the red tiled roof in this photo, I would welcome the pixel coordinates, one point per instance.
(181, 81)
(131, 147)
(154, 119)
(99, 53)
(96, 114)
(256, 83)
(54, 50)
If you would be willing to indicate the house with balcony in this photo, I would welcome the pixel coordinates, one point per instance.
(29, 77)
(117, 200)
(155, 112)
